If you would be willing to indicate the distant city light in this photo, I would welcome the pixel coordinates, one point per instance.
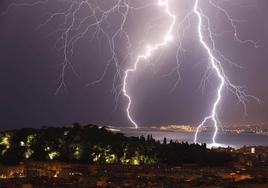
(252, 150)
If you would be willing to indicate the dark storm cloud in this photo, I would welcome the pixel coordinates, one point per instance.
(29, 73)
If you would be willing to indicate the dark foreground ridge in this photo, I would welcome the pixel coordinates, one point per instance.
(93, 144)
(92, 156)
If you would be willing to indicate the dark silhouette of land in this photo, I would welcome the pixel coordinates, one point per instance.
(94, 156)
(93, 144)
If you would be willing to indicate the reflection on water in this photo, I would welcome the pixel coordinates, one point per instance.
(224, 140)
(217, 145)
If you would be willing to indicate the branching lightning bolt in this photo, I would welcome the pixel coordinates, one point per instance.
(218, 70)
(167, 38)
(94, 23)
(212, 60)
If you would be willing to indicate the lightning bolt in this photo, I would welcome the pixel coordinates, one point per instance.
(75, 28)
(218, 70)
(213, 60)
(148, 53)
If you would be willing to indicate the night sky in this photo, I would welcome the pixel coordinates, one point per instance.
(30, 69)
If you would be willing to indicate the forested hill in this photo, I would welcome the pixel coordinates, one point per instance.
(94, 144)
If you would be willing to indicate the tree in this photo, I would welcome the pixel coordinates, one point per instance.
(165, 141)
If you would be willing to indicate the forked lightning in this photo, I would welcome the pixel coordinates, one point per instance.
(74, 29)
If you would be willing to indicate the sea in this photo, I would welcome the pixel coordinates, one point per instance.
(223, 139)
